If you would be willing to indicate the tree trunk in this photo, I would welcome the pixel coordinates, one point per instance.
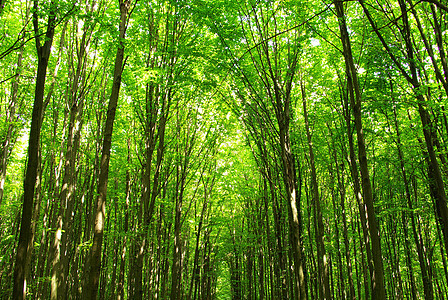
(43, 55)
(341, 187)
(94, 268)
(378, 288)
(120, 285)
(324, 282)
(367, 269)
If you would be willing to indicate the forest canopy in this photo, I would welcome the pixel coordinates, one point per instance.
(213, 149)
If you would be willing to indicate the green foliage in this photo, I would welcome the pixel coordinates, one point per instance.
(218, 74)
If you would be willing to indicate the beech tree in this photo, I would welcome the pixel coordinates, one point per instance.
(26, 234)
(223, 150)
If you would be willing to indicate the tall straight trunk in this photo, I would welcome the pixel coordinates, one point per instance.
(367, 269)
(43, 55)
(104, 269)
(259, 273)
(342, 192)
(34, 220)
(176, 271)
(341, 288)
(312, 270)
(54, 189)
(324, 282)
(74, 289)
(91, 289)
(279, 257)
(44, 243)
(378, 288)
(268, 237)
(404, 214)
(120, 285)
(133, 257)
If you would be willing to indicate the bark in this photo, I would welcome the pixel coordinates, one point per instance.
(116, 254)
(74, 289)
(378, 287)
(34, 220)
(342, 191)
(94, 268)
(324, 282)
(43, 55)
(313, 268)
(341, 288)
(120, 285)
(42, 256)
(176, 292)
(365, 241)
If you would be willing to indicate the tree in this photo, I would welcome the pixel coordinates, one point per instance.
(378, 288)
(43, 55)
(94, 267)
(260, 150)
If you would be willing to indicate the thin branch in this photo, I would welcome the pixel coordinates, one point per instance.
(11, 77)
(437, 3)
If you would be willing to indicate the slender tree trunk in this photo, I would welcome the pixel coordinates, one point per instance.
(378, 287)
(34, 220)
(91, 289)
(43, 55)
(324, 282)
(341, 187)
(341, 289)
(289, 177)
(367, 269)
(120, 285)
